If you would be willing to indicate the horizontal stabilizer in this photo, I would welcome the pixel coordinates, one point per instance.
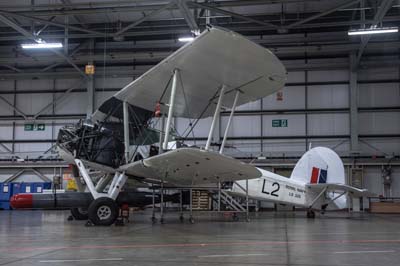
(340, 187)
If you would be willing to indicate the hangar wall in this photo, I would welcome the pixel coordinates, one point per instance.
(314, 103)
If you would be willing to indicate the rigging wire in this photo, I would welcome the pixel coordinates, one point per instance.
(187, 107)
(203, 112)
(104, 57)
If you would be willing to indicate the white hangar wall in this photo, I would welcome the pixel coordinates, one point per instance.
(325, 97)
(315, 105)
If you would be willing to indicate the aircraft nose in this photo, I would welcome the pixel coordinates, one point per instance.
(21, 201)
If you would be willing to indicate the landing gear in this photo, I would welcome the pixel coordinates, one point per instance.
(79, 214)
(103, 211)
(310, 214)
(323, 208)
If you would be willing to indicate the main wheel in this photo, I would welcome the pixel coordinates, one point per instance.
(103, 211)
(310, 214)
(79, 214)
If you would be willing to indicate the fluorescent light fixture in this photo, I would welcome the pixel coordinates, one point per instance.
(373, 31)
(186, 39)
(41, 45)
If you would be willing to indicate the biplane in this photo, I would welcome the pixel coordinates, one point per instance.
(219, 69)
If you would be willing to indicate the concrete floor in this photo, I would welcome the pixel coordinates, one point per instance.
(47, 238)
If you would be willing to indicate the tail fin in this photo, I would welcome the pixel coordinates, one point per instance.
(319, 165)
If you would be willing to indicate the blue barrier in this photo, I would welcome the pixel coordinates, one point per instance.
(5, 195)
(7, 190)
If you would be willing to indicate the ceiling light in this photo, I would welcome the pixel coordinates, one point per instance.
(373, 31)
(41, 45)
(186, 39)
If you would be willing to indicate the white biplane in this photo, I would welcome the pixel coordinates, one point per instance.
(220, 68)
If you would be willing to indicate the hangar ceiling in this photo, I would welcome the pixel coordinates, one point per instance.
(141, 33)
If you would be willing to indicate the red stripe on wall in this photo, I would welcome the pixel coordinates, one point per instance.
(314, 175)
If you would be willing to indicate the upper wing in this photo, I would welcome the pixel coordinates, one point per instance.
(188, 166)
(217, 57)
(340, 187)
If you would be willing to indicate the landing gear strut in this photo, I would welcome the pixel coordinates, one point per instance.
(103, 210)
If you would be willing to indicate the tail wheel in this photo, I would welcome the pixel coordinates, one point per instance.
(310, 214)
(79, 214)
(103, 211)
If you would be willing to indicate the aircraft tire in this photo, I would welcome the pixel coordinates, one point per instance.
(79, 214)
(103, 211)
(310, 214)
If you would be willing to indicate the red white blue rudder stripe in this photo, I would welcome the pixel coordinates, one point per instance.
(318, 176)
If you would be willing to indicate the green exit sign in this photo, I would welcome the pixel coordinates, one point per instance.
(279, 123)
(34, 127)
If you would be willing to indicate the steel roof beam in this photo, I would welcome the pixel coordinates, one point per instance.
(382, 10)
(58, 99)
(126, 55)
(50, 22)
(40, 175)
(14, 176)
(12, 68)
(232, 14)
(77, 18)
(45, 26)
(128, 6)
(5, 147)
(188, 15)
(324, 13)
(174, 30)
(17, 27)
(79, 47)
(14, 108)
(152, 14)
(34, 38)
(114, 72)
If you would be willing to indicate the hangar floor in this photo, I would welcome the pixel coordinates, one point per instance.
(47, 238)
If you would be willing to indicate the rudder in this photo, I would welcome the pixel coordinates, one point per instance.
(319, 165)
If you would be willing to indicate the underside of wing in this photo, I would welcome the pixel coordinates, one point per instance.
(217, 57)
(191, 167)
(340, 188)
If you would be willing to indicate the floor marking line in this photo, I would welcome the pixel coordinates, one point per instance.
(209, 244)
(78, 260)
(232, 255)
(364, 251)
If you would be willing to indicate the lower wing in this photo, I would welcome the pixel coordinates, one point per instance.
(189, 166)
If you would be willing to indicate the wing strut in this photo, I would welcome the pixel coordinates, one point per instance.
(126, 130)
(318, 197)
(221, 149)
(170, 108)
(216, 115)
